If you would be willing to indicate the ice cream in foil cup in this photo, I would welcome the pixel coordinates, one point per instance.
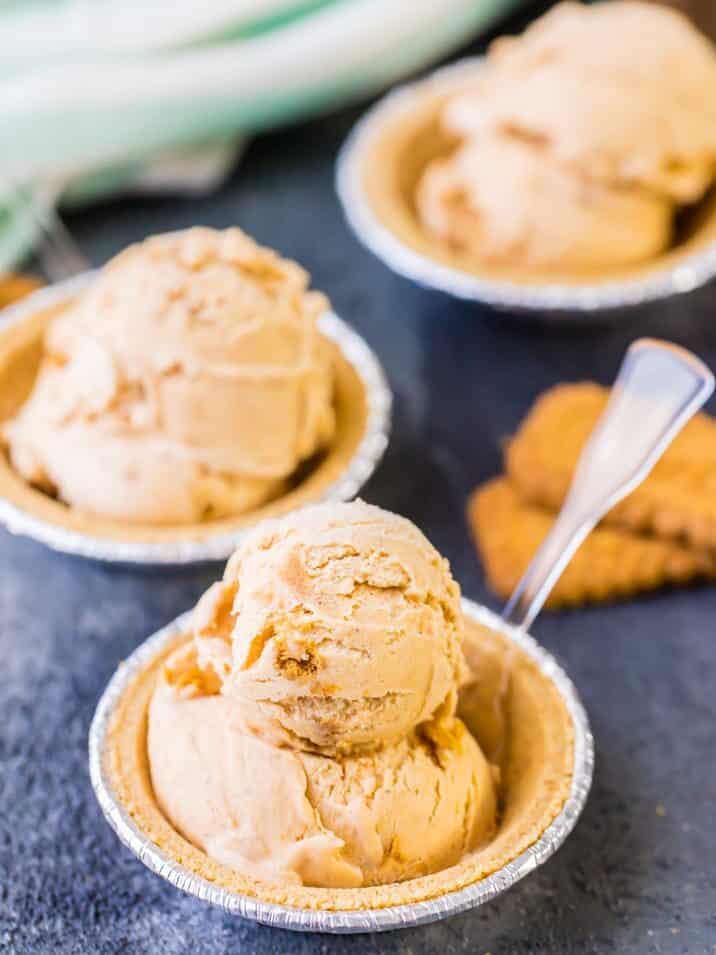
(543, 746)
(362, 410)
(387, 199)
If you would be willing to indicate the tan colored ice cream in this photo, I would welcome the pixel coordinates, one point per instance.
(509, 202)
(624, 90)
(266, 746)
(286, 815)
(600, 119)
(335, 629)
(187, 382)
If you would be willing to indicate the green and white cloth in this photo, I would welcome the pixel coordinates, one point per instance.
(100, 95)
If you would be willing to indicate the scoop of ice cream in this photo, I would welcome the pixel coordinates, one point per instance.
(335, 629)
(508, 202)
(623, 90)
(187, 382)
(306, 733)
(279, 814)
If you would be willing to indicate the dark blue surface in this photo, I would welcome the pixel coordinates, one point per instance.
(638, 873)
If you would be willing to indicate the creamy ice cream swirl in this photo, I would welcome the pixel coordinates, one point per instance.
(578, 141)
(187, 382)
(308, 731)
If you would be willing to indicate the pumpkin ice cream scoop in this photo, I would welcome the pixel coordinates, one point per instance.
(307, 732)
(188, 382)
(335, 629)
(576, 144)
(285, 815)
(508, 201)
(620, 91)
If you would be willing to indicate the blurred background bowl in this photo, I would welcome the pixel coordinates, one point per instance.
(376, 174)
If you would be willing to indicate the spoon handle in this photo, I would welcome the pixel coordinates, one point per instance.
(659, 388)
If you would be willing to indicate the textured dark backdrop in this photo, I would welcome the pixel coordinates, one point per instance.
(637, 875)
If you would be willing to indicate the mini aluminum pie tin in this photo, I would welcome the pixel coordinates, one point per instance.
(363, 920)
(679, 273)
(215, 544)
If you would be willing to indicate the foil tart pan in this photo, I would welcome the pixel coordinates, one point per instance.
(215, 545)
(573, 301)
(364, 920)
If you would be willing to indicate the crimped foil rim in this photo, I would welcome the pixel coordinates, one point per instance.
(216, 546)
(685, 275)
(343, 922)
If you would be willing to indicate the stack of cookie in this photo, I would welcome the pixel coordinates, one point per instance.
(663, 533)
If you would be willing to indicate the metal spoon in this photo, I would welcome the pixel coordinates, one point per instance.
(659, 388)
